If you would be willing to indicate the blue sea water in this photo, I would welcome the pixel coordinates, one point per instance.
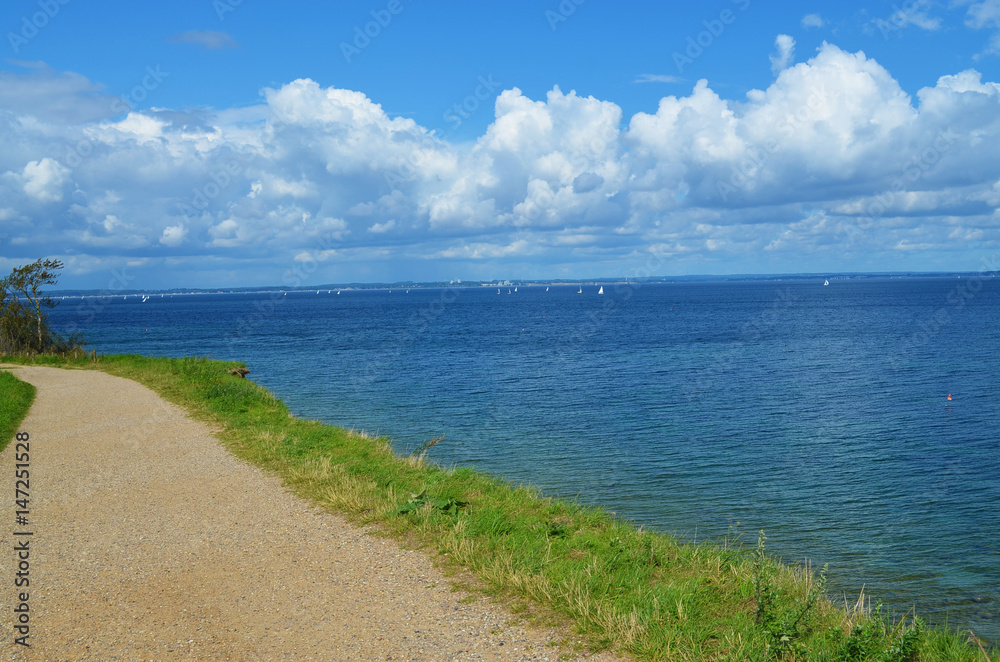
(704, 409)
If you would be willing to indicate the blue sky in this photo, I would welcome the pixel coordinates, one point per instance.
(227, 143)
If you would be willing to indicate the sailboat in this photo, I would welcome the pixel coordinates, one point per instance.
(546, 289)
(826, 282)
(515, 288)
(580, 291)
(601, 291)
(498, 290)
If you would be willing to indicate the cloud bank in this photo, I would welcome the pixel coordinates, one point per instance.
(832, 167)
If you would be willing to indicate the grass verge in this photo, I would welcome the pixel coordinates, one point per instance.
(15, 399)
(624, 588)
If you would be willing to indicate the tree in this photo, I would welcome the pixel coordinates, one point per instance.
(15, 330)
(28, 280)
(23, 327)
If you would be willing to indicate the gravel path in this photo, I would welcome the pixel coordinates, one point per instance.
(151, 542)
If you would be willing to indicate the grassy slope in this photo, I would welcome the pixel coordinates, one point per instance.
(15, 399)
(619, 587)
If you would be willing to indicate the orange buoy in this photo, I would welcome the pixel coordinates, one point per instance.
(949, 396)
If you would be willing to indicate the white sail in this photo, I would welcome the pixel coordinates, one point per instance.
(601, 291)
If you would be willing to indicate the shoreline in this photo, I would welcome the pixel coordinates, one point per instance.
(454, 513)
(149, 539)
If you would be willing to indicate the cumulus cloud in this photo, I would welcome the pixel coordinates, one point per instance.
(44, 180)
(832, 155)
(382, 228)
(208, 39)
(173, 235)
(784, 52)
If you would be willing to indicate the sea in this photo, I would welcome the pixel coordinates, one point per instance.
(856, 423)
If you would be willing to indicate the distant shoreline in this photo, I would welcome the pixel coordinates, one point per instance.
(477, 284)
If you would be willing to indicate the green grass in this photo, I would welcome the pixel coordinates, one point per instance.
(15, 399)
(613, 585)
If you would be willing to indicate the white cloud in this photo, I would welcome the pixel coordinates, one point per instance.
(382, 228)
(983, 14)
(914, 15)
(484, 251)
(813, 21)
(51, 96)
(833, 153)
(111, 223)
(784, 53)
(135, 126)
(45, 179)
(173, 235)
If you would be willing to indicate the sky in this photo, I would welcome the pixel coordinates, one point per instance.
(229, 143)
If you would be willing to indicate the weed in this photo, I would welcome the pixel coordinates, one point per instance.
(877, 640)
(417, 501)
(418, 458)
